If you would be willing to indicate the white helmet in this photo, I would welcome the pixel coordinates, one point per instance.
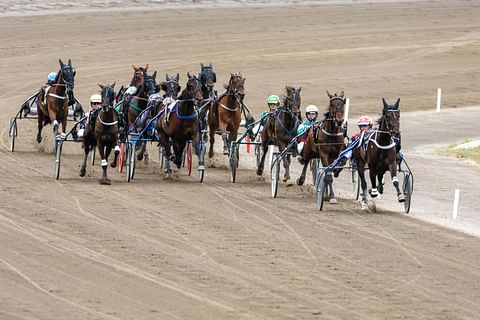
(96, 98)
(311, 108)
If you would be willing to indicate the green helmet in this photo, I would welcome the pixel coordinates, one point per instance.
(273, 99)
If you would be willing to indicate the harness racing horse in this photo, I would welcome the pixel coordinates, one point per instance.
(135, 104)
(226, 113)
(281, 127)
(208, 77)
(325, 140)
(102, 131)
(181, 124)
(54, 100)
(379, 153)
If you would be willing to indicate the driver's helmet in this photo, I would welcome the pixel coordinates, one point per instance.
(365, 121)
(95, 98)
(311, 109)
(273, 100)
(51, 76)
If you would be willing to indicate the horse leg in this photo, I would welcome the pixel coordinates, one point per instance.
(301, 179)
(380, 182)
(363, 183)
(40, 125)
(393, 174)
(115, 155)
(198, 150)
(103, 162)
(212, 141)
(86, 151)
(329, 184)
(286, 166)
(373, 180)
(178, 150)
(261, 165)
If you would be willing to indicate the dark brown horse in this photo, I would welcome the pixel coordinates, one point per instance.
(226, 113)
(379, 153)
(325, 140)
(53, 101)
(281, 127)
(181, 124)
(102, 131)
(137, 80)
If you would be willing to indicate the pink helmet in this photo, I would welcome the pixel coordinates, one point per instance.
(365, 121)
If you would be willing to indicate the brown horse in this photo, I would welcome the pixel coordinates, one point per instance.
(137, 80)
(325, 140)
(181, 124)
(379, 153)
(280, 128)
(102, 131)
(226, 113)
(53, 101)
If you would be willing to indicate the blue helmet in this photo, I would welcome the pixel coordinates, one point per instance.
(52, 76)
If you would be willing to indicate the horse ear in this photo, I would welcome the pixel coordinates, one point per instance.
(74, 72)
(154, 75)
(244, 80)
(69, 62)
(231, 75)
(397, 104)
(210, 64)
(342, 93)
(179, 88)
(201, 65)
(214, 77)
(134, 68)
(188, 75)
(167, 77)
(146, 68)
(329, 94)
(61, 63)
(178, 77)
(299, 89)
(100, 85)
(385, 104)
(113, 85)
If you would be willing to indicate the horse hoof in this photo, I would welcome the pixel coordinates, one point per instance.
(364, 206)
(374, 193)
(210, 154)
(105, 181)
(286, 178)
(82, 172)
(140, 157)
(39, 139)
(259, 172)
(401, 198)
(225, 152)
(113, 164)
(333, 201)
(300, 181)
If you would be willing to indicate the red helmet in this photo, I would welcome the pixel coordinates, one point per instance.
(365, 121)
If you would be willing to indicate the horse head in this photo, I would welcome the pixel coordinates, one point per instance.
(391, 117)
(138, 76)
(108, 96)
(293, 100)
(67, 74)
(150, 84)
(171, 86)
(193, 88)
(208, 77)
(336, 107)
(236, 86)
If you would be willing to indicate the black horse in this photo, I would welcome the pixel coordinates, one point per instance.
(379, 152)
(102, 131)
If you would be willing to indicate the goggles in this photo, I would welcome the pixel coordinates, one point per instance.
(312, 113)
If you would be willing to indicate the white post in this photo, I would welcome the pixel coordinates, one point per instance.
(439, 99)
(347, 109)
(455, 204)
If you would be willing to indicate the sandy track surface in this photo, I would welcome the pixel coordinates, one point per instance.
(156, 249)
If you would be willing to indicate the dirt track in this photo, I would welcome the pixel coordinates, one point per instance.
(156, 249)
